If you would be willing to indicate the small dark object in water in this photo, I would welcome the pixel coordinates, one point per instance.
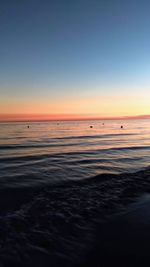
(91, 126)
(121, 127)
(28, 126)
(103, 123)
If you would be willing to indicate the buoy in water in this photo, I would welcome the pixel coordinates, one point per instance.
(91, 126)
(121, 127)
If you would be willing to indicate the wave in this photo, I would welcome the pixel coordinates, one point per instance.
(73, 153)
(95, 136)
(19, 146)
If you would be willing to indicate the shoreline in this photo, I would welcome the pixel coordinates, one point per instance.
(70, 223)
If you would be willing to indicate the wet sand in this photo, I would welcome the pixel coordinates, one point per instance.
(124, 241)
(103, 221)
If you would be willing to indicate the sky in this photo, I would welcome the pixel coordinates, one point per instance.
(74, 58)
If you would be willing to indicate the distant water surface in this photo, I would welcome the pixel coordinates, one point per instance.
(49, 152)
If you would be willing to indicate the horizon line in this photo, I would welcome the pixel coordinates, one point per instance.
(63, 117)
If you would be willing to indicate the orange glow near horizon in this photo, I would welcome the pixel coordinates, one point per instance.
(60, 117)
(86, 107)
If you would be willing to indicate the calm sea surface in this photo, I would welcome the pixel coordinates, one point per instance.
(48, 152)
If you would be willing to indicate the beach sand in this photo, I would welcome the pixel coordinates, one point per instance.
(124, 241)
(99, 222)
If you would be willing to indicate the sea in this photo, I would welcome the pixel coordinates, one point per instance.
(60, 179)
(50, 152)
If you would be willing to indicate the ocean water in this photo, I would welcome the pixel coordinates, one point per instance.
(60, 180)
(50, 152)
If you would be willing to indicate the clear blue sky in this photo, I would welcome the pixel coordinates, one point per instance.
(73, 49)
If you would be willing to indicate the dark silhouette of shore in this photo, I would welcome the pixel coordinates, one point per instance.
(92, 222)
(123, 241)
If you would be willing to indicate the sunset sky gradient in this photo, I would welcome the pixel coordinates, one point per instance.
(74, 59)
